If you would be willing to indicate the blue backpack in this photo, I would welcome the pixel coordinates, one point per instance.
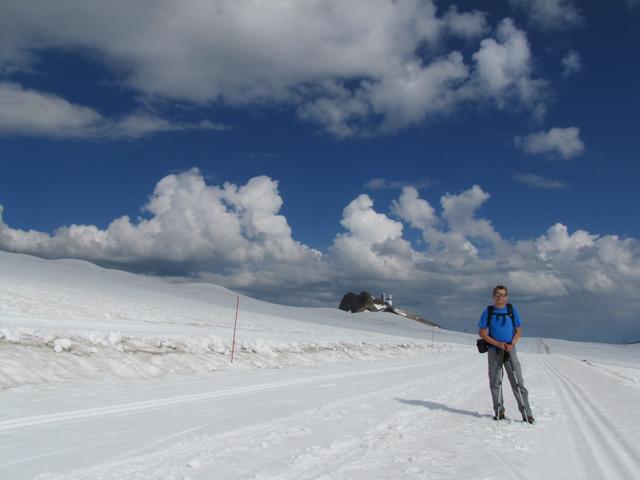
(500, 316)
(483, 346)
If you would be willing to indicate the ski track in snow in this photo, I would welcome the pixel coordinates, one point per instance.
(596, 437)
(378, 434)
(307, 442)
(37, 420)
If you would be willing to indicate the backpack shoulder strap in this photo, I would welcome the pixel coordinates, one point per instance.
(489, 315)
(513, 317)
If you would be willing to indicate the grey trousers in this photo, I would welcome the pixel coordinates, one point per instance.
(514, 372)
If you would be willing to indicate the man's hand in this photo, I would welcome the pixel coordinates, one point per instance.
(508, 347)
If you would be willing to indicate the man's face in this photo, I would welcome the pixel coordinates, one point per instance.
(500, 298)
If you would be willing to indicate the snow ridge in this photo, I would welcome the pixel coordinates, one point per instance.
(40, 356)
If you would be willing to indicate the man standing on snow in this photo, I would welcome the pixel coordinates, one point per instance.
(500, 327)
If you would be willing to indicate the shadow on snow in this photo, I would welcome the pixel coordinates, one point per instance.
(440, 406)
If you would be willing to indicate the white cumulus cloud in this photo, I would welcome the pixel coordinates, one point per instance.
(365, 224)
(503, 69)
(189, 222)
(361, 67)
(235, 235)
(414, 210)
(459, 212)
(564, 142)
(373, 242)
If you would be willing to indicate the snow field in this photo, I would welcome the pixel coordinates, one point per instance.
(424, 419)
(108, 375)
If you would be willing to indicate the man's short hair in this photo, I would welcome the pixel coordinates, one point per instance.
(500, 287)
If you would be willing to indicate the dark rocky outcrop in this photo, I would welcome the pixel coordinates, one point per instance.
(354, 303)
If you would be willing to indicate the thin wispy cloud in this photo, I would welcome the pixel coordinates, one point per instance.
(386, 184)
(26, 112)
(550, 14)
(538, 181)
(571, 63)
(266, 155)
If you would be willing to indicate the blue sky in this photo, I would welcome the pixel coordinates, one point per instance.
(432, 149)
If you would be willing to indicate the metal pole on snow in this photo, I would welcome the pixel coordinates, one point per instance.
(235, 326)
(501, 379)
(432, 330)
(521, 398)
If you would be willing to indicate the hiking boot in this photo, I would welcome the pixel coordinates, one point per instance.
(528, 419)
(499, 416)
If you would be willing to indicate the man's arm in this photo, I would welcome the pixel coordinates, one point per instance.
(510, 346)
(484, 334)
(516, 337)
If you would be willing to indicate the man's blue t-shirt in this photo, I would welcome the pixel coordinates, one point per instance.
(501, 326)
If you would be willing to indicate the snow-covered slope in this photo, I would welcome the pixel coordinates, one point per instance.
(108, 375)
(67, 319)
